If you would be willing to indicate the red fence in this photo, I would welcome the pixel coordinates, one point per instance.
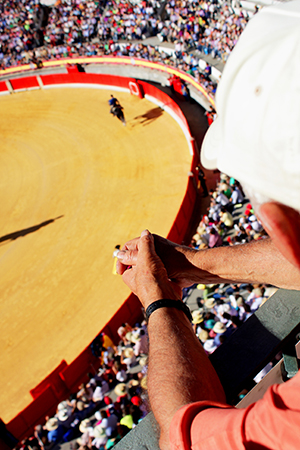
(116, 60)
(161, 96)
(3, 87)
(86, 78)
(66, 378)
(24, 83)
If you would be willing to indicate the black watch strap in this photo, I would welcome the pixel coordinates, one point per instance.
(167, 303)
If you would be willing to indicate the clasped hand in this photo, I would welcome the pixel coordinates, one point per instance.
(144, 272)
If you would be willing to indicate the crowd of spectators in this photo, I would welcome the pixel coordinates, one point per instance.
(32, 33)
(109, 405)
(230, 220)
(225, 221)
(209, 26)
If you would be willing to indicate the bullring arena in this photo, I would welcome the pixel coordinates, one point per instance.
(75, 183)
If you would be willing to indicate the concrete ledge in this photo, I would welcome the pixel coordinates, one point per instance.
(142, 437)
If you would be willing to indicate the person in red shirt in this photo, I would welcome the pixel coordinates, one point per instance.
(252, 140)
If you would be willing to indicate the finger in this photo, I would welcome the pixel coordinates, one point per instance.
(146, 244)
(131, 245)
(120, 268)
(129, 279)
(128, 257)
(147, 256)
(145, 233)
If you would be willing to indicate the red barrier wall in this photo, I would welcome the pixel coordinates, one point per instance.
(87, 78)
(54, 380)
(45, 404)
(24, 83)
(66, 378)
(129, 312)
(3, 86)
(122, 60)
(77, 371)
(149, 89)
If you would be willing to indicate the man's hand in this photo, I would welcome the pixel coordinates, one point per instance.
(177, 260)
(255, 262)
(145, 274)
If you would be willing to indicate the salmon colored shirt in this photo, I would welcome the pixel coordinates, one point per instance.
(271, 423)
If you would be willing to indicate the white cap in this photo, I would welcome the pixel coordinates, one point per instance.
(256, 136)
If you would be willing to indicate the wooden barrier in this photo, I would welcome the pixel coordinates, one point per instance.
(3, 87)
(76, 372)
(54, 380)
(24, 83)
(130, 312)
(87, 78)
(45, 404)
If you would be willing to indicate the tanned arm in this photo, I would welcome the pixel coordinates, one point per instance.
(179, 370)
(255, 262)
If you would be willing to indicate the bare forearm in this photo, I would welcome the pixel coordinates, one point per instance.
(179, 370)
(256, 262)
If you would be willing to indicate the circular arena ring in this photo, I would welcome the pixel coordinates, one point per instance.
(75, 183)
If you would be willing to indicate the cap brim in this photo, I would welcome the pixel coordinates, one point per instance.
(211, 146)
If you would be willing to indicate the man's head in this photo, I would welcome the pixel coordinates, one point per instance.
(256, 137)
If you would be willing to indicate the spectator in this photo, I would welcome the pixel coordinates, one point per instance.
(123, 330)
(127, 418)
(215, 239)
(226, 219)
(101, 389)
(55, 430)
(141, 346)
(108, 424)
(195, 412)
(236, 196)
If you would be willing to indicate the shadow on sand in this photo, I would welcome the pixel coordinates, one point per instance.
(149, 116)
(22, 233)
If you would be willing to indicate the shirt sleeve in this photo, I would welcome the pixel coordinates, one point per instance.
(271, 423)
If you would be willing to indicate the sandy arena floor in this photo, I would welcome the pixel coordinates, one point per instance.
(74, 183)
